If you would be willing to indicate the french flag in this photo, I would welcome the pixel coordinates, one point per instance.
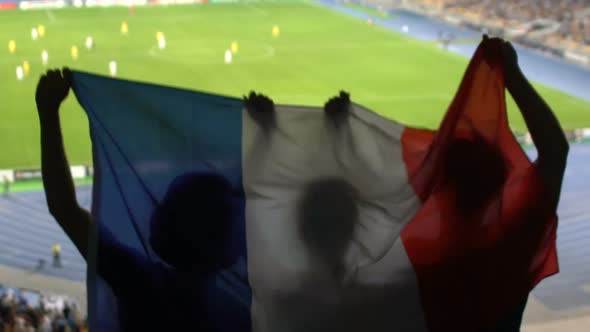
(208, 219)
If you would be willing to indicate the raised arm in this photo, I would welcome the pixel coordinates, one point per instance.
(52, 89)
(545, 130)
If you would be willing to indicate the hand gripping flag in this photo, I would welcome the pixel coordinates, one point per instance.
(207, 221)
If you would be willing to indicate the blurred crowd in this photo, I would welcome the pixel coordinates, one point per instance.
(16, 315)
(570, 18)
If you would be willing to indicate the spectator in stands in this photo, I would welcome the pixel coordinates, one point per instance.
(45, 324)
(549, 140)
(4, 316)
(191, 248)
(22, 300)
(19, 324)
(60, 324)
(328, 215)
(16, 316)
(42, 302)
(573, 22)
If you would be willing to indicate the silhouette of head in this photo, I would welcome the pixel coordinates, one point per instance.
(191, 228)
(327, 215)
(477, 170)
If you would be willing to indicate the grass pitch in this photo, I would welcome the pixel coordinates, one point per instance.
(318, 52)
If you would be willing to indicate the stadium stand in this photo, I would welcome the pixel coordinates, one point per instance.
(567, 20)
(557, 27)
(551, 71)
(555, 22)
(23, 310)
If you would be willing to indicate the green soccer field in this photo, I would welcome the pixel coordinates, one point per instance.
(318, 52)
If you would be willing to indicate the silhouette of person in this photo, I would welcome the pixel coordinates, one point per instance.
(466, 160)
(326, 233)
(550, 142)
(189, 231)
(328, 214)
(330, 297)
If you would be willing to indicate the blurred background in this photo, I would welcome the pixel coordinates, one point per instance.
(402, 58)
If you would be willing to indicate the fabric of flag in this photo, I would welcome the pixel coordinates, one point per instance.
(207, 222)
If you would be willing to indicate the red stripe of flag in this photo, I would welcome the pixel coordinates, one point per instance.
(481, 241)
